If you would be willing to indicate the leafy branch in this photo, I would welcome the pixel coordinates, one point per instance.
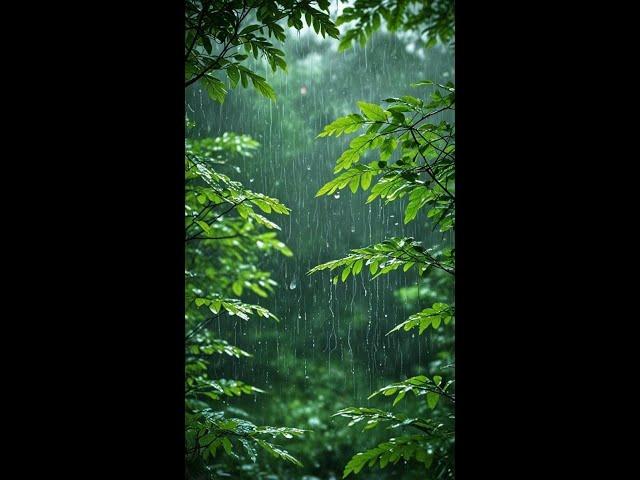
(386, 257)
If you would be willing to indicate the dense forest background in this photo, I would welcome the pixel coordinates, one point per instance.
(330, 349)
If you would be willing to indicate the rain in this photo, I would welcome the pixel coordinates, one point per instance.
(330, 349)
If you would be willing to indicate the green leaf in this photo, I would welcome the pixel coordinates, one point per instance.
(348, 158)
(411, 100)
(373, 268)
(365, 180)
(345, 273)
(354, 183)
(264, 206)
(432, 399)
(234, 74)
(358, 266)
(244, 78)
(215, 306)
(387, 148)
(399, 397)
(204, 226)
(227, 445)
(373, 111)
(418, 198)
(215, 88)
(348, 124)
(263, 87)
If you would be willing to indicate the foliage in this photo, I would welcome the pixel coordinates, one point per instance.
(208, 431)
(220, 35)
(416, 150)
(425, 154)
(374, 417)
(388, 256)
(227, 234)
(429, 317)
(225, 239)
(406, 447)
(231, 281)
(433, 19)
(418, 385)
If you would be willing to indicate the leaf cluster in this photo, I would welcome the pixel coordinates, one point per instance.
(221, 35)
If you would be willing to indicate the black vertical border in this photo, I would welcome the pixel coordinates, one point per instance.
(105, 155)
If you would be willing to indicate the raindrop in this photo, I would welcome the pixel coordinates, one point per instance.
(293, 284)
